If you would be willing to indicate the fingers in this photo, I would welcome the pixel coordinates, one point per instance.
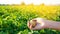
(28, 24)
(37, 27)
(30, 27)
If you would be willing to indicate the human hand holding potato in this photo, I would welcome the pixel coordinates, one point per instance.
(40, 23)
(37, 23)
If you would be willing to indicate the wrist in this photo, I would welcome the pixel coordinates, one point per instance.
(48, 24)
(52, 24)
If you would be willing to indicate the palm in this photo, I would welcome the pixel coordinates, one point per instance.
(38, 26)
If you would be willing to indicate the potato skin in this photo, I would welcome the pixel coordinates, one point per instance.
(33, 22)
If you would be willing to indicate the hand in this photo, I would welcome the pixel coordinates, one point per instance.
(40, 24)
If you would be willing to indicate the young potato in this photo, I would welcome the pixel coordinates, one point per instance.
(33, 22)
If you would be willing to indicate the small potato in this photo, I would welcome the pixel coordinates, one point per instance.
(33, 22)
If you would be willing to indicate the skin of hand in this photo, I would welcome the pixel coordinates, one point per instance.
(40, 24)
(43, 23)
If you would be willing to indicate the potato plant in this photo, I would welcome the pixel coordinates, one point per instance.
(13, 19)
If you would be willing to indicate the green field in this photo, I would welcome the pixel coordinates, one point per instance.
(13, 19)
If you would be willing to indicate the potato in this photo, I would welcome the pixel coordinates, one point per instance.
(33, 22)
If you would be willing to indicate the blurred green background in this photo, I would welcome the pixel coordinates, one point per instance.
(13, 18)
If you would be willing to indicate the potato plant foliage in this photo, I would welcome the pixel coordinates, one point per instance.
(13, 19)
